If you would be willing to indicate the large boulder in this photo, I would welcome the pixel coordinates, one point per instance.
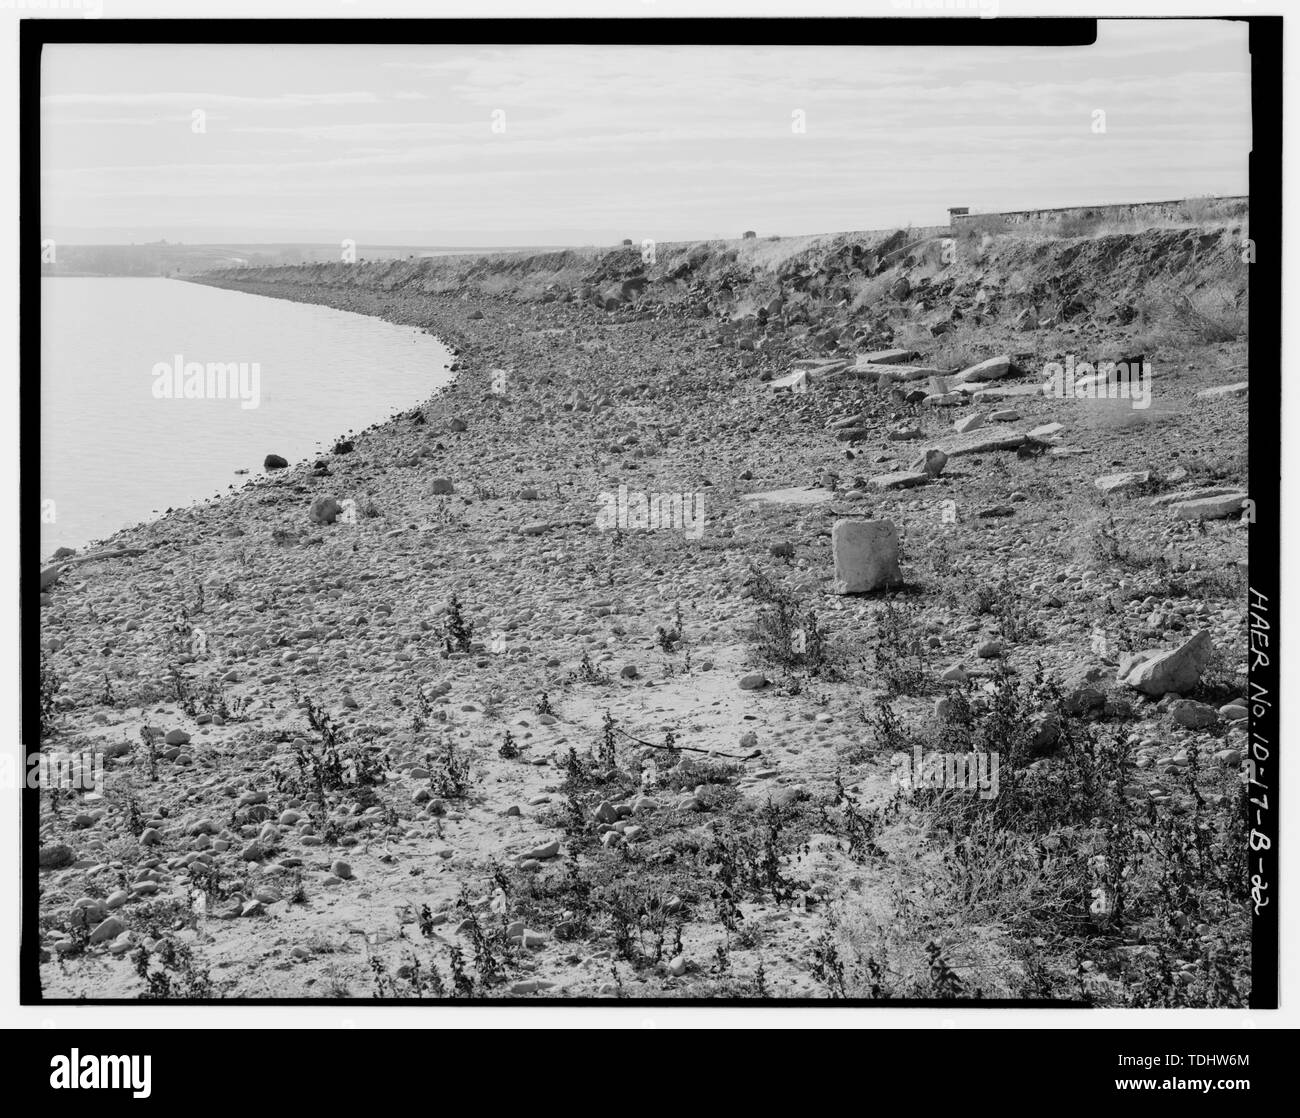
(1158, 673)
(866, 556)
(274, 462)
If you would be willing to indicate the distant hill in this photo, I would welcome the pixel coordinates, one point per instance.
(163, 258)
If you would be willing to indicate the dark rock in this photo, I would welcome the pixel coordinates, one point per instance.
(1083, 688)
(325, 510)
(788, 797)
(55, 857)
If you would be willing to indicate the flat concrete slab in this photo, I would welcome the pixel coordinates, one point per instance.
(797, 495)
(903, 479)
(886, 357)
(892, 373)
(1209, 508)
(1238, 389)
(1007, 391)
(981, 442)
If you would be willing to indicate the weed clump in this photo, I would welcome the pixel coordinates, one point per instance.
(49, 689)
(450, 771)
(789, 634)
(457, 632)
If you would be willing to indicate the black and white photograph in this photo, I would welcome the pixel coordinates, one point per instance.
(651, 512)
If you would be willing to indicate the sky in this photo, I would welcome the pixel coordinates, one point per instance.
(550, 145)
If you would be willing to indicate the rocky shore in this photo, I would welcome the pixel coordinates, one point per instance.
(569, 683)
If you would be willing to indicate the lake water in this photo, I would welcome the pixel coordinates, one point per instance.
(115, 450)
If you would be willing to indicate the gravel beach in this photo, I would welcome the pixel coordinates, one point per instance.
(553, 687)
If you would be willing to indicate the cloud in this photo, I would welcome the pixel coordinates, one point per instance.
(280, 101)
(684, 136)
